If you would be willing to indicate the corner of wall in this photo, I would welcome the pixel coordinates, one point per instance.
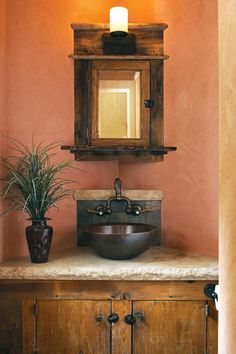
(2, 106)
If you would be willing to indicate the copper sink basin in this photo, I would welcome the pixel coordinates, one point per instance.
(120, 241)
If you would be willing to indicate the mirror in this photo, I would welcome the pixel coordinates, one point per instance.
(119, 104)
(119, 89)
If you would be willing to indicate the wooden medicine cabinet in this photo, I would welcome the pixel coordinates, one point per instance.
(118, 97)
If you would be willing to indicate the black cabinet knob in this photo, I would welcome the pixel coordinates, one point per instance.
(130, 319)
(113, 318)
(209, 291)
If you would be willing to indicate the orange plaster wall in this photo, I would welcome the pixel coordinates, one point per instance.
(39, 91)
(2, 101)
(187, 177)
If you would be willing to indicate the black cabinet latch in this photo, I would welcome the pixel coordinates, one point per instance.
(148, 103)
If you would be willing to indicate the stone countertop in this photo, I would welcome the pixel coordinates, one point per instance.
(82, 263)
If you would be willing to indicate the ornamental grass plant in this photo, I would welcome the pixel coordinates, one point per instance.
(32, 180)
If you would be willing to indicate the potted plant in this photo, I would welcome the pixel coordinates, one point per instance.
(32, 183)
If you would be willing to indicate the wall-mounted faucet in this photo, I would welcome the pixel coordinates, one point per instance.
(134, 209)
(118, 197)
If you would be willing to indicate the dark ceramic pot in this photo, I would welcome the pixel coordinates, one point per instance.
(39, 238)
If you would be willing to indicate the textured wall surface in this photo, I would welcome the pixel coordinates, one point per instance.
(187, 177)
(227, 200)
(2, 102)
(39, 88)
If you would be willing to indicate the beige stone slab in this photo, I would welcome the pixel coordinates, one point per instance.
(157, 263)
(103, 194)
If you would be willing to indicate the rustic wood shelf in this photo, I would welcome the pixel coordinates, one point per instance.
(106, 26)
(118, 57)
(118, 153)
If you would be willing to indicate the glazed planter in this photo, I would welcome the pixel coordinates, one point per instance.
(39, 238)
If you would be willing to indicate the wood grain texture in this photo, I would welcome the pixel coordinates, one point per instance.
(116, 57)
(212, 329)
(88, 38)
(11, 327)
(157, 114)
(81, 101)
(174, 317)
(95, 290)
(118, 156)
(121, 332)
(88, 45)
(141, 26)
(70, 327)
(170, 327)
(28, 326)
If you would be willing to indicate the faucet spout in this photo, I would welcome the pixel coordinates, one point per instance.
(118, 197)
(117, 187)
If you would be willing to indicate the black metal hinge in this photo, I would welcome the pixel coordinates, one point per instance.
(206, 310)
(35, 309)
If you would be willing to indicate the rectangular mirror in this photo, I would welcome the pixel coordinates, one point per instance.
(118, 92)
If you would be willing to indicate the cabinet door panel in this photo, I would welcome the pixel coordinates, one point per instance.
(212, 329)
(170, 327)
(70, 327)
(121, 332)
(17, 327)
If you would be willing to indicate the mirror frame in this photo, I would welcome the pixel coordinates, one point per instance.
(88, 59)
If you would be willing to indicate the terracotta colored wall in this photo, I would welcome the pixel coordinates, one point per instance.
(2, 102)
(187, 177)
(40, 101)
(227, 200)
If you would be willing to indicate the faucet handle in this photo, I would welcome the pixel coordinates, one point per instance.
(137, 209)
(99, 210)
(134, 209)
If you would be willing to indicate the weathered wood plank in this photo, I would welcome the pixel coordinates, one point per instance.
(88, 38)
(81, 101)
(212, 329)
(157, 114)
(118, 57)
(66, 327)
(121, 332)
(11, 326)
(84, 289)
(28, 326)
(170, 327)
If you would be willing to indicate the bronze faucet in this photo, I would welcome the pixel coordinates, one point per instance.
(134, 209)
(118, 197)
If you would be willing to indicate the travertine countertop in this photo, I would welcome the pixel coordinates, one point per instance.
(157, 263)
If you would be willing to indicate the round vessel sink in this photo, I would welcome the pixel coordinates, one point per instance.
(120, 241)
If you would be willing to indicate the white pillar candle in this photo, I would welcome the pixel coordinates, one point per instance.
(118, 19)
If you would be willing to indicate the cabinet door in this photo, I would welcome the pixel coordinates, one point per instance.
(73, 327)
(17, 327)
(169, 327)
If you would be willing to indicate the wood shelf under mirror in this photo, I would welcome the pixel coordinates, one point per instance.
(118, 57)
(124, 153)
(118, 97)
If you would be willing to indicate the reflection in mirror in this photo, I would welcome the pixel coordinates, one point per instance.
(119, 104)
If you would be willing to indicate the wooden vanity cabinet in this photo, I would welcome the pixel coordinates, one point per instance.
(71, 317)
